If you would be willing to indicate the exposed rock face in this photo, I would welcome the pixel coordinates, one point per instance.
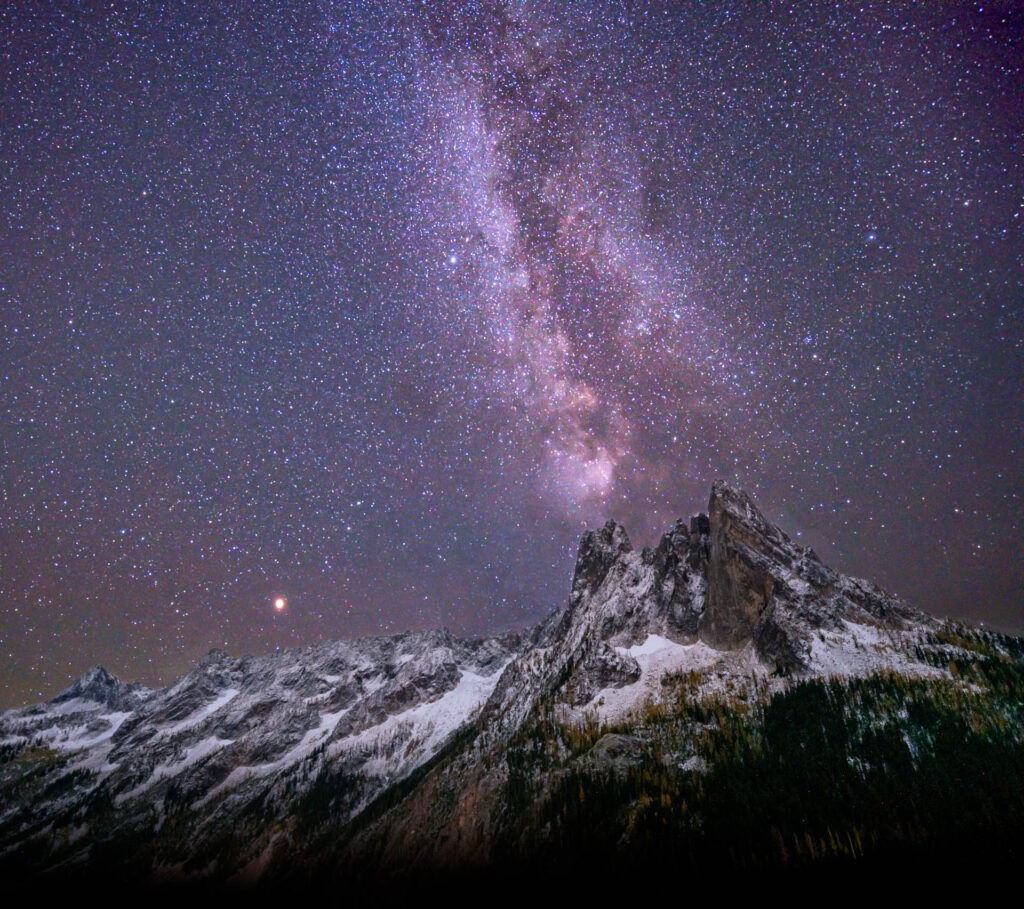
(679, 559)
(598, 551)
(614, 753)
(762, 587)
(746, 553)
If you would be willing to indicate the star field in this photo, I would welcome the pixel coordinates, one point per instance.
(329, 320)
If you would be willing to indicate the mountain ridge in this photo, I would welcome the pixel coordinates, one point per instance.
(400, 752)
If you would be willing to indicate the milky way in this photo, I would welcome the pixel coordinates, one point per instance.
(323, 321)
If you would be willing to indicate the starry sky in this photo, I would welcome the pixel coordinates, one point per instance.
(375, 307)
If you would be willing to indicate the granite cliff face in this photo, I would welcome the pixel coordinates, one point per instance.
(398, 752)
(762, 587)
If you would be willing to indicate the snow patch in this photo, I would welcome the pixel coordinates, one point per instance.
(427, 727)
(656, 657)
(859, 650)
(193, 755)
(80, 737)
(301, 749)
(197, 716)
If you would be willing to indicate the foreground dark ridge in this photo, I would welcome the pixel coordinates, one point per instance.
(722, 699)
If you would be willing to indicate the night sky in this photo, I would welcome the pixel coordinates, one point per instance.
(375, 307)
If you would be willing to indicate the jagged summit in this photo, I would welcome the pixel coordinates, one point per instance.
(99, 686)
(238, 747)
(729, 578)
(764, 588)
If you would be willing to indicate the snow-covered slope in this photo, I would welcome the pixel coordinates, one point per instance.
(234, 731)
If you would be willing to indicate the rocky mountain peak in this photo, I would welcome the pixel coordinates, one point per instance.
(732, 515)
(99, 686)
(598, 551)
(747, 558)
(729, 578)
(763, 587)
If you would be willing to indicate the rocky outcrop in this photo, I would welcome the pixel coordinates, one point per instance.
(746, 555)
(765, 589)
(679, 563)
(100, 687)
(614, 753)
(729, 578)
(598, 551)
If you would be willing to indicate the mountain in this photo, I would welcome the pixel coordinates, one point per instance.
(720, 701)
